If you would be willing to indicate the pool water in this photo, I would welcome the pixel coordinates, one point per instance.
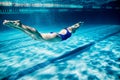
(92, 53)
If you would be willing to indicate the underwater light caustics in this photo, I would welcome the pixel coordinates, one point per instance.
(66, 56)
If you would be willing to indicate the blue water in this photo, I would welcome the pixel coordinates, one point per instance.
(92, 53)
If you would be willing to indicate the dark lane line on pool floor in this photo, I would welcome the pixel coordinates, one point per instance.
(64, 57)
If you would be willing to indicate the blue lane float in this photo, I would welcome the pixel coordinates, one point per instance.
(64, 57)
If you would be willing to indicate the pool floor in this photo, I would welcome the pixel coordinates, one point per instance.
(23, 58)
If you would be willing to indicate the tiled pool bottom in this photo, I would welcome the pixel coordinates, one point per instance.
(101, 61)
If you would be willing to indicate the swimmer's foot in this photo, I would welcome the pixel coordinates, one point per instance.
(14, 24)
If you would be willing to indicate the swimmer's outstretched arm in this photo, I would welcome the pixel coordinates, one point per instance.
(74, 27)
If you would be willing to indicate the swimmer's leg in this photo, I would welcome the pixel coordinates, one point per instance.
(32, 32)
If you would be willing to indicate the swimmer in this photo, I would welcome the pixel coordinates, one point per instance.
(52, 36)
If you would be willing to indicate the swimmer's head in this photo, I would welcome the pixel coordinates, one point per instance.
(75, 27)
(11, 23)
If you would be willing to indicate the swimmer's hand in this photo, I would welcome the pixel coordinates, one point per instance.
(80, 22)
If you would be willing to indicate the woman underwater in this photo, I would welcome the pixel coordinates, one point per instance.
(52, 36)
